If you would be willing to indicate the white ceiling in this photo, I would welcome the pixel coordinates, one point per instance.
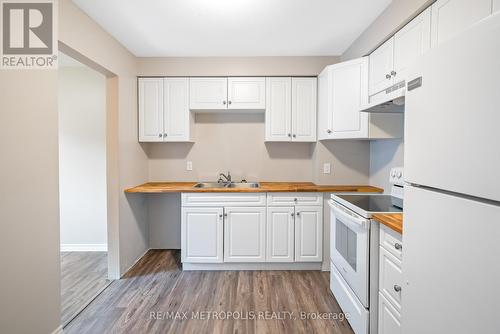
(169, 28)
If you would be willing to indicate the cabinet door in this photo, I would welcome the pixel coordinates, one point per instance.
(245, 234)
(280, 234)
(381, 65)
(349, 92)
(308, 233)
(450, 17)
(201, 235)
(324, 105)
(389, 320)
(176, 112)
(246, 93)
(278, 109)
(304, 99)
(496, 6)
(208, 93)
(411, 42)
(150, 109)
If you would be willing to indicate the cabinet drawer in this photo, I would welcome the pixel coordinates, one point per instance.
(391, 241)
(389, 320)
(390, 278)
(288, 199)
(223, 199)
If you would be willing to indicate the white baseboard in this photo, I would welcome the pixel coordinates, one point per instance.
(84, 247)
(59, 330)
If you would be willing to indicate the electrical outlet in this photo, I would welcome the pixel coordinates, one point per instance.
(327, 168)
(189, 165)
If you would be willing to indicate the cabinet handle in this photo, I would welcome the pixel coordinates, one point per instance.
(298, 214)
(295, 200)
(294, 136)
(290, 135)
(229, 102)
(397, 288)
(328, 131)
(292, 214)
(160, 135)
(388, 76)
(220, 216)
(224, 102)
(393, 73)
(398, 246)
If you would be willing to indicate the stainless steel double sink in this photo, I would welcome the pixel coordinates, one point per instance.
(227, 185)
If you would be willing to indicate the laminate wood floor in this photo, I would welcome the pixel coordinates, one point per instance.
(156, 290)
(83, 276)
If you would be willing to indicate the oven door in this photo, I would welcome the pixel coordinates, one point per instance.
(349, 244)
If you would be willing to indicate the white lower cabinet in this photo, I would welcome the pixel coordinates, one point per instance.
(390, 281)
(202, 235)
(240, 228)
(280, 234)
(245, 234)
(389, 320)
(308, 233)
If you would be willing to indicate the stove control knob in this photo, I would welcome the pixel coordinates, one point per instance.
(399, 175)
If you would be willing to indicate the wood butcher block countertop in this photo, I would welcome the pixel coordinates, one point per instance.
(176, 187)
(391, 220)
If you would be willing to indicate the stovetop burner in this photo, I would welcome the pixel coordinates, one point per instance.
(372, 203)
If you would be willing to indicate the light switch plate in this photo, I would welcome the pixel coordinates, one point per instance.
(189, 165)
(327, 168)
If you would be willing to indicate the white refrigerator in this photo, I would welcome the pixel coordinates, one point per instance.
(451, 238)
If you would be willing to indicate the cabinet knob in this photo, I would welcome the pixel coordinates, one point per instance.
(398, 246)
(164, 135)
(220, 216)
(393, 73)
(225, 215)
(224, 102)
(160, 135)
(397, 288)
(229, 102)
(294, 136)
(292, 214)
(298, 214)
(328, 131)
(295, 200)
(388, 76)
(290, 135)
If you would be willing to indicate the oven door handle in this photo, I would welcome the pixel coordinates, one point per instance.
(347, 218)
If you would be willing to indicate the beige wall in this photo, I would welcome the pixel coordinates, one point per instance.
(385, 154)
(213, 66)
(81, 34)
(29, 209)
(236, 142)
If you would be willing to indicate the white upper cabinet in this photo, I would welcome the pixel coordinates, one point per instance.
(381, 66)
(291, 109)
(413, 40)
(278, 109)
(389, 62)
(304, 99)
(245, 234)
(346, 88)
(164, 110)
(496, 6)
(246, 93)
(177, 118)
(450, 17)
(208, 93)
(150, 109)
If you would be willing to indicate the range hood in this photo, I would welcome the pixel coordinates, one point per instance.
(392, 100)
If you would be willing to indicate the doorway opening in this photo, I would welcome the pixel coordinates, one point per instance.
(82, 185)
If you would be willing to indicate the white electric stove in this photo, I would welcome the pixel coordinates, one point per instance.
(354, 248)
